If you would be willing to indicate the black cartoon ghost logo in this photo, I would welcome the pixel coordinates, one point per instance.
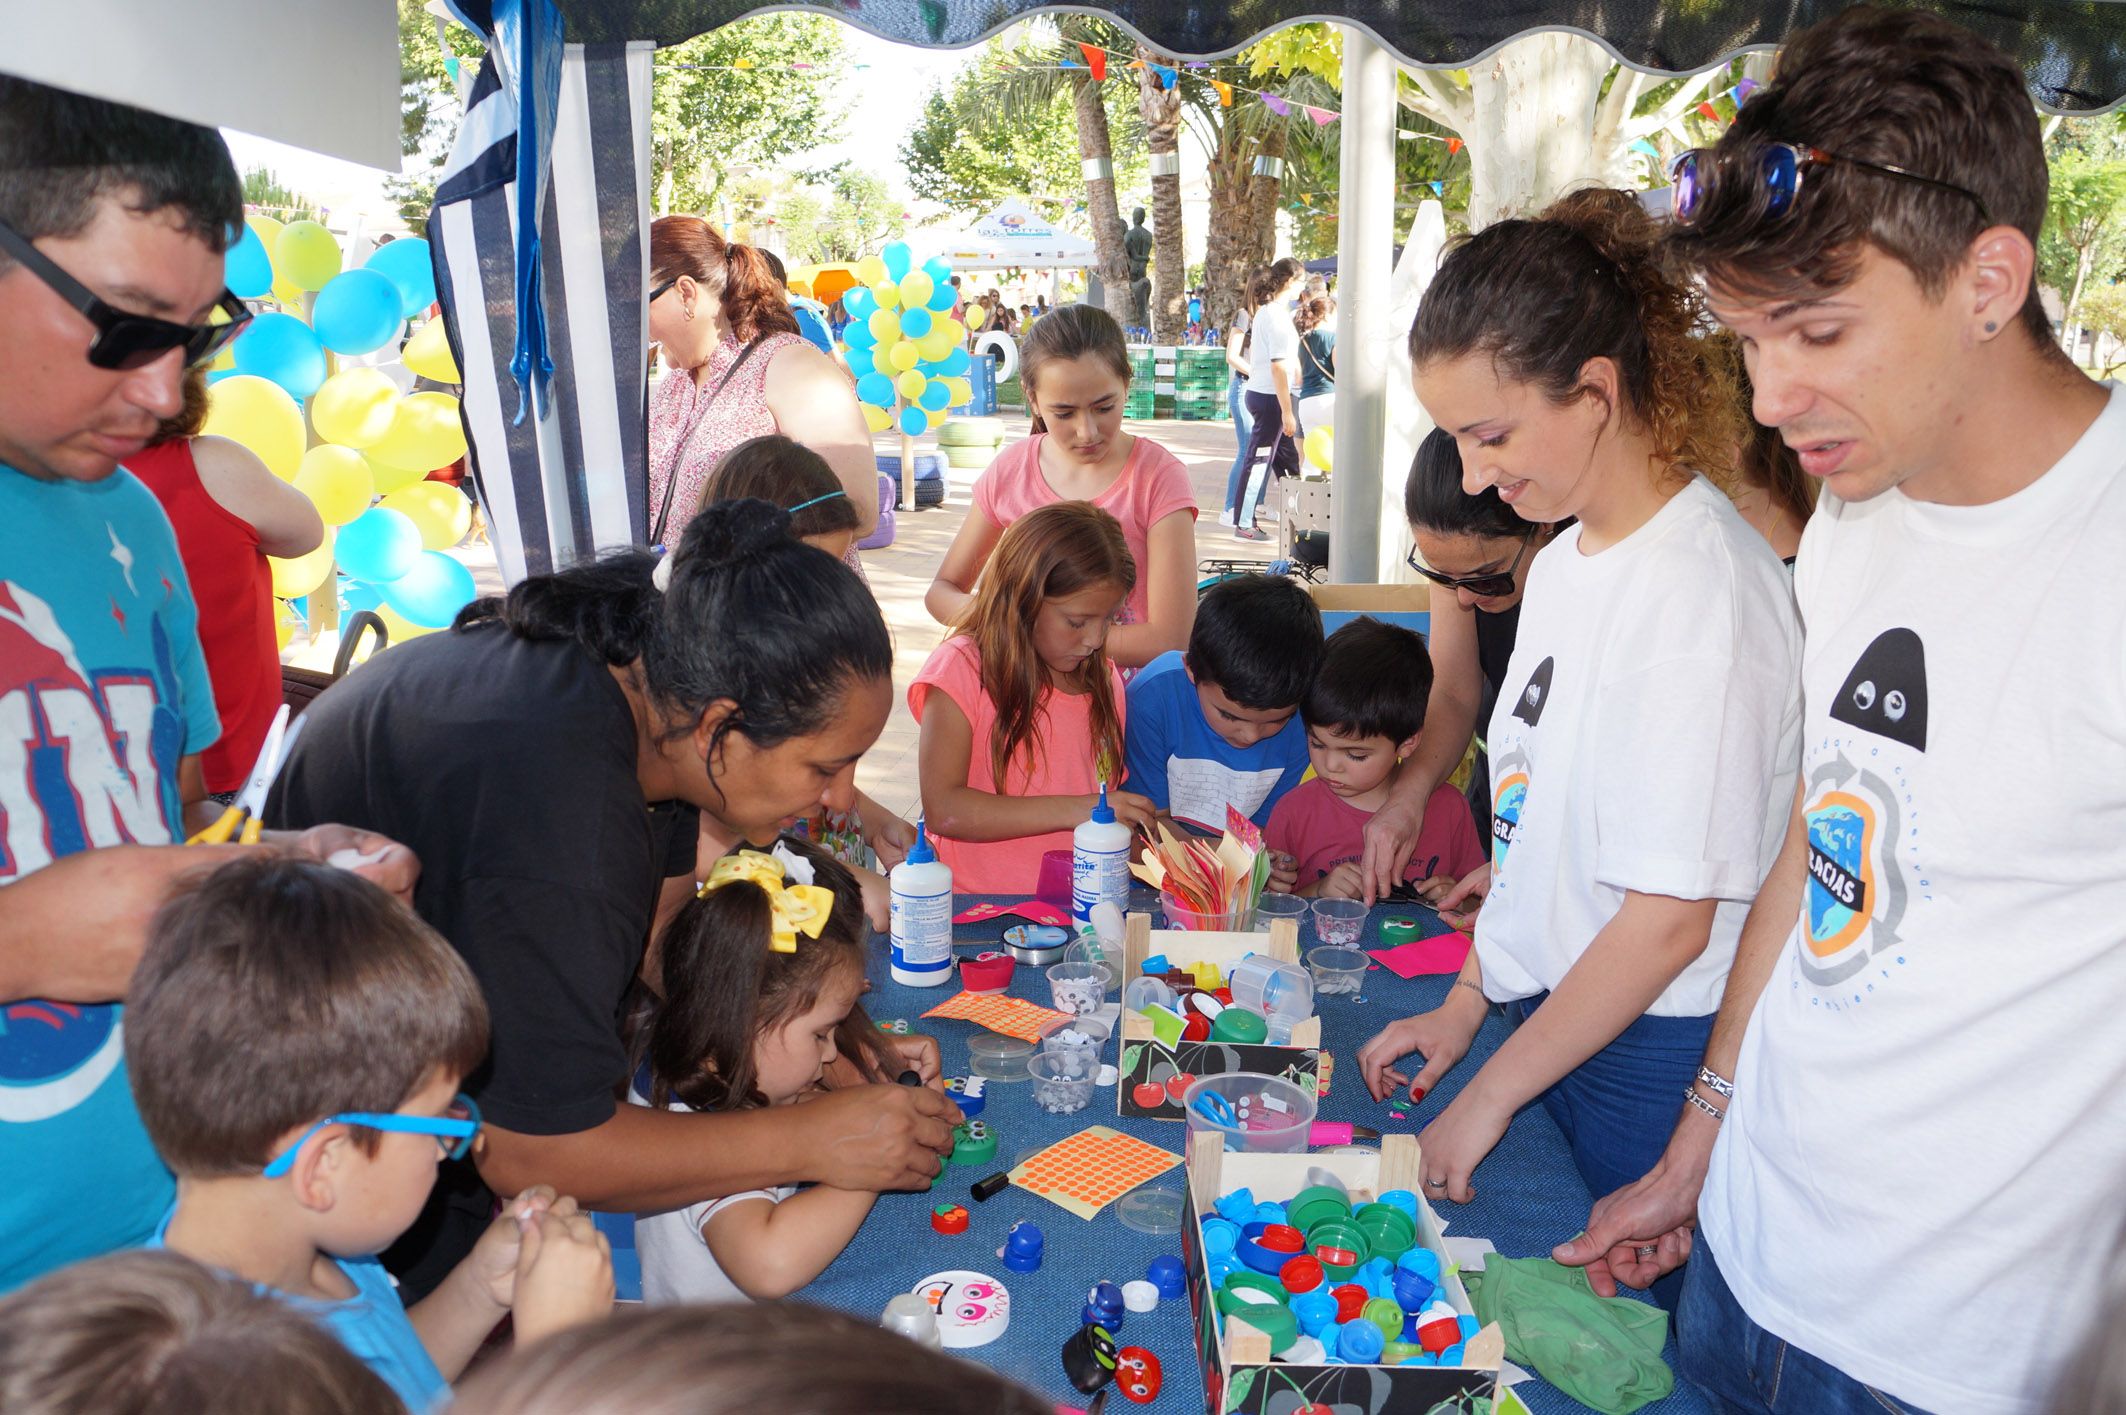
(1530, 708)
(1886, 693)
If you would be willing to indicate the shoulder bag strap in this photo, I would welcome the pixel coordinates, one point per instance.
(671, 482)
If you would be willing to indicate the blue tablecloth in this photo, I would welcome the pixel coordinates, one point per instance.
(1528, 1194)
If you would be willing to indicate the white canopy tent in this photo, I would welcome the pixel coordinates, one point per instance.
(1014, 237)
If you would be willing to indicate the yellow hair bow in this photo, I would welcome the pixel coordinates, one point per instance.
(798, 908)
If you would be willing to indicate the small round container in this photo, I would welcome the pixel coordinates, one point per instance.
(1057, 1088)
(1261, 1304)
(1339, 921)
(1181, 916)
(1388, 1229)
(1267, 1129)
(1146, 992)
(1079, 987)
(1272, 907)
(1384, 1314)
(1337, 971)
(1078, 1041)
(998, 1058)
(1052, 885)
(1090, 950)
(1271, 986)
(1267, 1247)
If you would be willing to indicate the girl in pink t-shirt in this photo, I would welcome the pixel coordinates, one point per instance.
(1021, 710)
(1074, 366)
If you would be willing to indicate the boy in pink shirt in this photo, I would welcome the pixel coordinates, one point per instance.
(1362, 713)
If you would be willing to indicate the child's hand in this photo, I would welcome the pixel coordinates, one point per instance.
(1458, 907)
(890, 839)
(1434, 889)
(1284, 872)
(1136, 812)
(1343, 882)
(564, 1272)
(494, 1258)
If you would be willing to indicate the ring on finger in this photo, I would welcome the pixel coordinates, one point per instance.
(1435, 1184)
(1646, 1253)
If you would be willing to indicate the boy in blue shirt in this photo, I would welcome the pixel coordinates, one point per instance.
(1219, 726)
(297, 1040)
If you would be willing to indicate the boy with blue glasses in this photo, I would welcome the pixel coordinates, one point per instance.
(296, 1041)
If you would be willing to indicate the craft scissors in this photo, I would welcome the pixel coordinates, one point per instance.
(245, 818)
(1216, 1109)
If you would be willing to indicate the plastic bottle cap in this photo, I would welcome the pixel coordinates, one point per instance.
(920, 853)
(1103, 814)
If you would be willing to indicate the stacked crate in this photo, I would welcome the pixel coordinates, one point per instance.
(1200, 385)
(1143, 376)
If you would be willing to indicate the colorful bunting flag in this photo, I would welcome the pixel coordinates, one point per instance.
(1642, 145)
(1095, 60)
(1225, 93)
(1711, 113)
(1168, 77)
(1322, 117)
(1454, 145)
(1744, 89)
(1277, 105)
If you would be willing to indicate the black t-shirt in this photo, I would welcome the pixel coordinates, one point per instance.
(1494, 650)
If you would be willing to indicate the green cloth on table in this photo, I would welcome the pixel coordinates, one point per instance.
(1604, 1352)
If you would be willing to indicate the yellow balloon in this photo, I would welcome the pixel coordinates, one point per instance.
(951, 329)
(872, 270)
(285, 622)
(290, 298)
(425, 434)
(877, 418)
(440, 513)
(268, 231)
(885, 326)
(354, 407)
(306, 255)
(428, 354)
(962, 391)
(400, 627)
(258, 413)
(936, 345)
(887, 294)
(292, 579)
(337, 481)
(911, 384)
(934, 418)
(977, 316)
(916, 289)
(904, 356)
(1320, 447)
(391, 479)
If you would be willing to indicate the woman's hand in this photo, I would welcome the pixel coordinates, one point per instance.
(377, 858)
(1441, 1036)
(1390, 838)
(1456, 1143)
(878, 897)
(1458, 907)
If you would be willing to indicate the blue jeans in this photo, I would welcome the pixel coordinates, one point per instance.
(1243, 428)
(1618, 1107)
(1746, 1370)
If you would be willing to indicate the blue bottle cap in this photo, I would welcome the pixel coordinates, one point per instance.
(1103, 814)
(920, 853)
(1360, 1342)
(1238, 1206)
(1220, 1237)
(1470, 1326)
(1168, 1275)
(1412, 1290)
(1422, 1261)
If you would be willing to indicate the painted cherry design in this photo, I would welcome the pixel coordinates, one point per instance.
(1148, 1094)
(1177, 1087)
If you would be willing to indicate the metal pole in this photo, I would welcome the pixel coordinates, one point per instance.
(1364, 330)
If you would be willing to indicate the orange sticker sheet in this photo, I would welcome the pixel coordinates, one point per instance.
(1006, 1016)
(1092, 1169)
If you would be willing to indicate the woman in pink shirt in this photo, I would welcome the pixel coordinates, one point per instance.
(1075, 369)
(1020, 709)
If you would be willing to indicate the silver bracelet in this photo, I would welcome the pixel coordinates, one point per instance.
(1703, 1104)
(1719, 1084)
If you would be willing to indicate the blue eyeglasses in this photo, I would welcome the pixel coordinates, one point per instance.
(1780, 167)
(458, 1126)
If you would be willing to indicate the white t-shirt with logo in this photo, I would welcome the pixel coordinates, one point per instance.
(1925, 1160)
(1645, 739)
(1274, 339)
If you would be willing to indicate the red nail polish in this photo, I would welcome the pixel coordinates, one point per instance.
(1417, 1093)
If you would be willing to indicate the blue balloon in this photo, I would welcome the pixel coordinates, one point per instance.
(915, 323)
(410, 267)
(957, 363)
(941, 299)
(875, 389)
(247, 269)
(859, 336)
(913, 422)
(358, 595)
(899, 259)
(282, 348)
(938, 269)
(433, 591)
(378, 546)
(935, 396)
(357, 313)
(860, 361)
(859, 302)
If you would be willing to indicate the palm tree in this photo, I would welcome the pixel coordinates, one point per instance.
(1161, 107)
(1244, 202)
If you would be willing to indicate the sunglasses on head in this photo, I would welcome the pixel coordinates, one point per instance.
(1780, 167)
(1490, 585)
(128, 341)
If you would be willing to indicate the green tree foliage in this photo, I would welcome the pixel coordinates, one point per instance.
(971, 150)
(263, 190)
(848, 216)
(429, 109)
(2082, 247)
(730, 101)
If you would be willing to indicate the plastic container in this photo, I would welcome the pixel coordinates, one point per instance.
(1337, 971)
(1272, 987)
(1077, 1041)
(1099, 862)
(1052, 885)
(1146, 992)
(1272, 907)
(1079, 987)
(1091, 950)
(921, 934)
(1339, 921)
(1278, 1118)
(1180, 916)
(1057, 1087)
(996, 1058)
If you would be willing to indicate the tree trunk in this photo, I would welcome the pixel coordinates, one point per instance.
(1161, 107)
(1265, 187)
(1225, 256)
(1097, 152)
(1532, 138)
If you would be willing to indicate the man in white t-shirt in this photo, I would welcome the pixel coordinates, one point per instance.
(1896, 1176)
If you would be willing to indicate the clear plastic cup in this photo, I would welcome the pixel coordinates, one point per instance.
(1090, 950)
(1270, 1114)
(1339, 921)
(1078, 1040)
(1272, 987)
(1272, 907)
(1181, 916)
(1337, 971)
(1079, 987)
(1057, 1087)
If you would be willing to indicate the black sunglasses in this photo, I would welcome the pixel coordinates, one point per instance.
(658, 293)
(1780, 169)
(128, 341)
(1489, 585)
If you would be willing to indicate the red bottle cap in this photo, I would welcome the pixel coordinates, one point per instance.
(1337, 1257)
(1350, 1301)
(949, 1218)
(1302, 1274)
(1137, 1374)
(1282, 1238)
(1198, 1028)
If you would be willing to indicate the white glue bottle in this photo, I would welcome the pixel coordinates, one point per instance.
(1099, 863)
(922, 916)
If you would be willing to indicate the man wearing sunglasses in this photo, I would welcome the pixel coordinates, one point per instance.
(1896, 1171)
(113, 223)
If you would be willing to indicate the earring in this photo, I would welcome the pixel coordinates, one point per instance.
(1991, 327)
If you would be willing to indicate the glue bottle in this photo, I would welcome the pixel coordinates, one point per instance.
(1099, 863)
(922, 916)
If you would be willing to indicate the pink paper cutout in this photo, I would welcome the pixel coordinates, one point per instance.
(1444, 953)
(1039, 911)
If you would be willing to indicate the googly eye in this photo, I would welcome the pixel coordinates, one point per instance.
(1864, 695)
(970, 1311)
(979, 1289)
(1893, 705)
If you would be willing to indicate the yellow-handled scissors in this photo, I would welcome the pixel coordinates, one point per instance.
(246, 816)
